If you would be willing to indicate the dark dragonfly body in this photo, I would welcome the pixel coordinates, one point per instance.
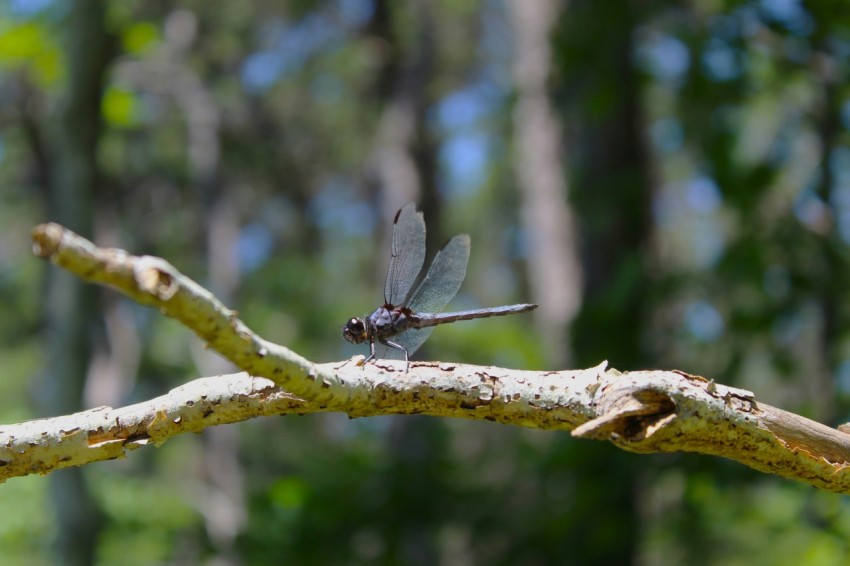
(410, 313)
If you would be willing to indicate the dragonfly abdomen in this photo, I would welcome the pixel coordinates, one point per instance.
(424, 320)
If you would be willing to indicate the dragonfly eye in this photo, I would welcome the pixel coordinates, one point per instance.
(354, 331)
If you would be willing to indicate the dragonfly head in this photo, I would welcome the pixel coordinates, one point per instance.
(355, 331)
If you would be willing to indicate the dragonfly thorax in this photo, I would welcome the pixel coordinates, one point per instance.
(388, 320)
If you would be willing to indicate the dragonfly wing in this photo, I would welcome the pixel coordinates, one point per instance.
(407, 255)
(444, 277)
(411, 339)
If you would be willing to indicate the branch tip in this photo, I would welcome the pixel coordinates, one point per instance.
(46, 239)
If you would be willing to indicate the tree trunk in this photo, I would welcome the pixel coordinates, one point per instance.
(610, 190)
(554, 266)
(71, 313)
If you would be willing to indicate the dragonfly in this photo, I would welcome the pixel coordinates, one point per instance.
(413, 304)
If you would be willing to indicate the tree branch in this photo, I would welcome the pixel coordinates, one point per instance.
(644, 411)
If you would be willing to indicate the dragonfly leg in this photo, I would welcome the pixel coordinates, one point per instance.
(371, 351)
(392, 344)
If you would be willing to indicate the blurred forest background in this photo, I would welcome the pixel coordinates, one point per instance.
(669, 180)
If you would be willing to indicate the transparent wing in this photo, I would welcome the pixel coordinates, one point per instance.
(407, 255)
(411, 339)
(444, 277)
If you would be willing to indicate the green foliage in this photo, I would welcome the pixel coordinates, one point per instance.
(120, 108)
(146, 515)
(30, 47)
(23, 532)
(138, 38)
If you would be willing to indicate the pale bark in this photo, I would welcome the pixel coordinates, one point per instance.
(644, 411)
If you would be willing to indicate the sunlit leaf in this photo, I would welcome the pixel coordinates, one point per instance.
(119, 107)
(30, 46)
(140, 37)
